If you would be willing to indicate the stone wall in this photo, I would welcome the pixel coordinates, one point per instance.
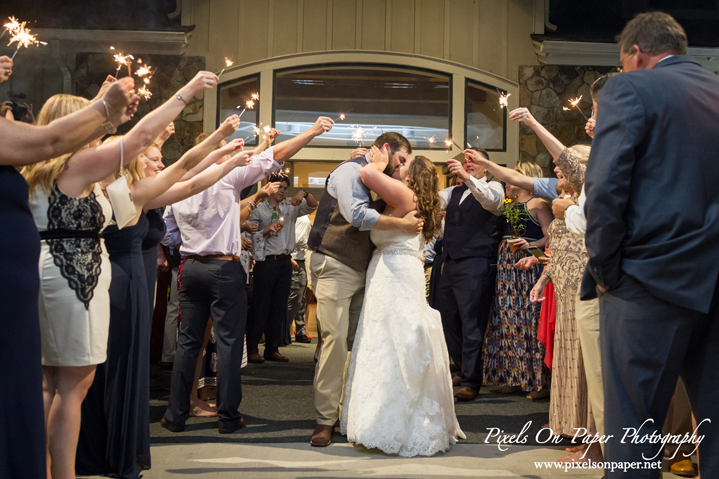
(171, 73)
(545, 90)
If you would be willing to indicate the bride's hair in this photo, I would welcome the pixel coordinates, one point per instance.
(422, 179)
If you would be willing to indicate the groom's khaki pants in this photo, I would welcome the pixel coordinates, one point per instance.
(587, 317)
(339, 290)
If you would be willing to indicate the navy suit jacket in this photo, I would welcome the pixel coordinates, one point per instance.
(652, 183)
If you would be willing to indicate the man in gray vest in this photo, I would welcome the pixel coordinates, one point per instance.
(342, 251)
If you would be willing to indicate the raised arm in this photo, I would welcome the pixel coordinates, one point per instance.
(267, 141)
(184, 189)
(249, 204)
(24, 144)
(212, 142)
(288, 148)
(95, 164)
(554, 146)
(502, 173)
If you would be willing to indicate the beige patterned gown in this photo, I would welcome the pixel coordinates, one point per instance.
(568, 406)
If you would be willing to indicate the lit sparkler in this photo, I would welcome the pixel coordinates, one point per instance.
(143, 70)
(249, 104)
(23, 37)
(342, 115)
(430, 140)
(121, 60)
(13, 26)
(449, 142)
(358, 134)
(575, 103)
(144, 92)
(255, 131)
(228, 64)
(504, 99)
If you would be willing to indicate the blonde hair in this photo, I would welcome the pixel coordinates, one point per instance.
(45, 173)
(580, 152)
(530, 169)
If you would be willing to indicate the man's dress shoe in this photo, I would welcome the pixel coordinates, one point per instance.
(466, 394)
(322, 437)
(277, 357)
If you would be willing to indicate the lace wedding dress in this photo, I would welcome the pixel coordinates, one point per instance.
(398, 396)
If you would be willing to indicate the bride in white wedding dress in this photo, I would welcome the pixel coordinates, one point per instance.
(398, 396)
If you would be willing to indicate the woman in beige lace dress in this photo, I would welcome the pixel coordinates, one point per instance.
(568, 408)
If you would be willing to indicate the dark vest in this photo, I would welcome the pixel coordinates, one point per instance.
(332, 235)
(470, 231)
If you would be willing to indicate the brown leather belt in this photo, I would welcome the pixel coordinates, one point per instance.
(209, 257)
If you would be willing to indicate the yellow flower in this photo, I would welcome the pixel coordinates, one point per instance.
(507, 200)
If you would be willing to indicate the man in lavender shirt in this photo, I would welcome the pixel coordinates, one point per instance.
(213, 281)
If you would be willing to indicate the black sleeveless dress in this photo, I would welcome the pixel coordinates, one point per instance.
(22, 424)
(115, 431)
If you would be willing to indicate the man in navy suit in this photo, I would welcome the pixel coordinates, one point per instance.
(652, 210)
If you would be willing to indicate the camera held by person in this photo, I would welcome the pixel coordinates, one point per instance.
(19, 111)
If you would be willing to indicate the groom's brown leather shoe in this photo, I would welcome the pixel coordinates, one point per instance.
(322, 437)
(255, 358)
(466, 394)
(456, 381)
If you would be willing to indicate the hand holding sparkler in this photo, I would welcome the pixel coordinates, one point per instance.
(5, 68)
(120, 98)
(204, 80)
(590, 126)
(523, 115)
(457, 169)
(322, 125)
(476, 158)
(229, 126)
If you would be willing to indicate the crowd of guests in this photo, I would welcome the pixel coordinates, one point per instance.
(514, 270)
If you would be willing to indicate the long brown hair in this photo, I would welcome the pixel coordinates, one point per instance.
(422, 179)
(45, 173)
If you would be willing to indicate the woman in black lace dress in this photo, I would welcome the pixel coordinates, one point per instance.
(74, 304)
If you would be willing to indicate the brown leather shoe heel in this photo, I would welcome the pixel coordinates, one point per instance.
(277, 357)
(466, 394)
(255, 358)
(322, 437)
(456, 381)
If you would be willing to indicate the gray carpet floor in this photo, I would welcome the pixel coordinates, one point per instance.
(277, 404)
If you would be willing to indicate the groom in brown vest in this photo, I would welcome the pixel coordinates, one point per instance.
(341, 253)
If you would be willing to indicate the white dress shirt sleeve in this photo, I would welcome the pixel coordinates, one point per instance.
(490, 194)
(444, 197)
(260, 166)
(172, 233)
(574, 216)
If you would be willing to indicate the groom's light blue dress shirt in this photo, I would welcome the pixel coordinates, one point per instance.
(352, 196)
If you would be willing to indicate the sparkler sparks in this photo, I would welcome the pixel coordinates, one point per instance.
(575, 103)
(430, 140)
(249, 104)
(359, 133)
(449, 142)
(121, 60)
(228, 64)
(504, 100)
(143, 70)
(22, 36)
(144, 92)
(13, 26)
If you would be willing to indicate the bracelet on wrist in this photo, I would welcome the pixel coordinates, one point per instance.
(179, 97)
(107, 110)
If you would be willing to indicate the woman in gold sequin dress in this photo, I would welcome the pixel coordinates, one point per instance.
(568, 407)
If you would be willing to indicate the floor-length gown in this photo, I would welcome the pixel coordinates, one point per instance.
(22, 425)
(113, 425)
(398, 396)
(568, 408)
(513, 355)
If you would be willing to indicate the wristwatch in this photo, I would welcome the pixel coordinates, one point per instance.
(110, 129)
(306, 194)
